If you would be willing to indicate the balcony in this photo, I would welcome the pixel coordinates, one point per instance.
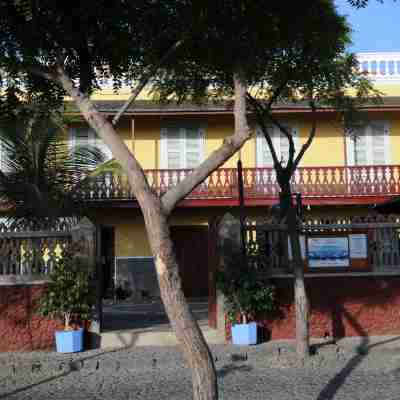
(318, 185)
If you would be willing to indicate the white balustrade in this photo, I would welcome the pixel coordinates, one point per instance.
(380, 66)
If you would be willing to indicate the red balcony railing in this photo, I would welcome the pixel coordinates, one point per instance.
(259, 183)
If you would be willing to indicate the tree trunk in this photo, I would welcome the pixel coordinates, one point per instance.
(188, 333)
(155, 213)
(300, 294)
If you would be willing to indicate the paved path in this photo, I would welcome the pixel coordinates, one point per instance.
(260, 372)
(146, 315)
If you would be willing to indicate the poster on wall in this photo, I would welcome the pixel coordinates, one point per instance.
(358, 245)
(328, 252)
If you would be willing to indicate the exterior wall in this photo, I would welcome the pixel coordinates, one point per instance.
(142, 136)
(131, 237)
(20, 328)
(341, 306)
(327, 149)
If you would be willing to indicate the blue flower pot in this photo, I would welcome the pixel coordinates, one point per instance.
(69, 341)
(244, 334)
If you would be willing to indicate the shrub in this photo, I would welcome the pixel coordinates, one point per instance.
(68, 293)
(246, 294)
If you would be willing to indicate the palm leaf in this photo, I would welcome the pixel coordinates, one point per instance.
(41, 171)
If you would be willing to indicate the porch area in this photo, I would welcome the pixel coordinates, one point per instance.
(147, 324)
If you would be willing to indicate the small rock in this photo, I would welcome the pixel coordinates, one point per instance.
(36, 367)
(76, 365)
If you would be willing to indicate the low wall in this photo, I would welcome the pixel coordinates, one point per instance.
(21, 329)
(341, 306)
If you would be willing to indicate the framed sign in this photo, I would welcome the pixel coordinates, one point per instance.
(328, 251)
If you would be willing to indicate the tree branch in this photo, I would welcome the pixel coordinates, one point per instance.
(37, 70)
(311, 136)
(289, 137)
(144, 81)
(230, 145)
(260, 111)
(140, 187)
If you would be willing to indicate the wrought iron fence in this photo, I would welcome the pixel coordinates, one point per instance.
(31, 249)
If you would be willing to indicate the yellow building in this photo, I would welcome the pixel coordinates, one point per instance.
(339, 175)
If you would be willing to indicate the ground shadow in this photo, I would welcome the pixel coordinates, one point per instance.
(228, 369)
(330, 390)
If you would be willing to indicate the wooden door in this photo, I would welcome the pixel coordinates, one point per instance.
(191, 247)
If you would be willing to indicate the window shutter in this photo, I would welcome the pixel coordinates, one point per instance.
(361, 155)
(174, 149)
(193, 147)
(369, 145)
(264, 156)
(280, 143)
(181, 147)
(379, 147)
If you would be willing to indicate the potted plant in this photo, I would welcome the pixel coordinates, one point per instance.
(246, 296)
(68, 296)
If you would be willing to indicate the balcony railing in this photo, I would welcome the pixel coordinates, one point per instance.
(259, 183)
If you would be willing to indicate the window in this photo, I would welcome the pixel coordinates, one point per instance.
(182, 147)
(281, 145)
(369, 144)
(84, 136)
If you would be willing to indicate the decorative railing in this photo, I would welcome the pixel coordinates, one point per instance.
(312, 182)
(29, 250)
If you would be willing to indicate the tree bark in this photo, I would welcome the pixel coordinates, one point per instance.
(300, 293)
(156, 212)
(188, 333)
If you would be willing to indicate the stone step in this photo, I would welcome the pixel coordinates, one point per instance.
(136, 337)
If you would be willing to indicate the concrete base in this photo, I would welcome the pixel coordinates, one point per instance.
(136, 337)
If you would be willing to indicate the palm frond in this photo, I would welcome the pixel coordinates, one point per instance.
(40, 168)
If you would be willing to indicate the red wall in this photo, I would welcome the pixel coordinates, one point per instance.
(21, 329)
(341, 306)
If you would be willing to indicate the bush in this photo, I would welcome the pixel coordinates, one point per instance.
(68, 293)
(246, 295)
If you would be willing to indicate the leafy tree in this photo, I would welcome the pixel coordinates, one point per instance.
(303, 63)
(183, 49)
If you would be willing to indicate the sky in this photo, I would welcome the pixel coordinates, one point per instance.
(376, 27)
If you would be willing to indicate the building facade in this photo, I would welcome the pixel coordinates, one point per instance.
(340, 175)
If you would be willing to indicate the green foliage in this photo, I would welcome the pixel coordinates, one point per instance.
(94, 39)
(68, 293)
(245, 293)
(41, 171)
